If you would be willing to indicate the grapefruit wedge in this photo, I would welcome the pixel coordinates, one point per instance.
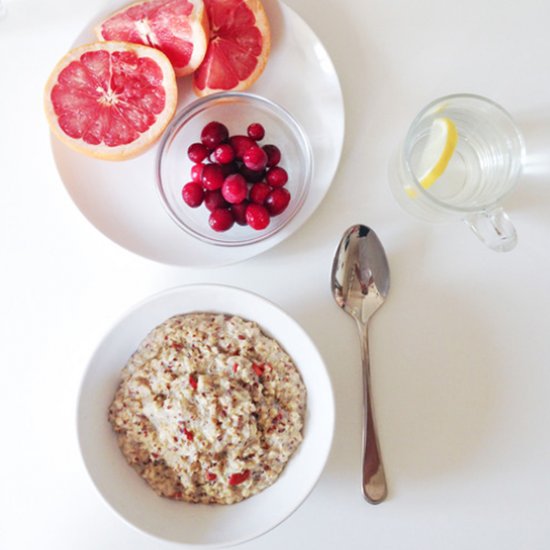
(179, 28)
(238, 49)
(111, 100)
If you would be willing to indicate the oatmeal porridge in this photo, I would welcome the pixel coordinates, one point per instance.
(210, 409)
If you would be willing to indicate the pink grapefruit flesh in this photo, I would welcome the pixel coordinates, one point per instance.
(238, 49)
(111, 100)
(179, 28)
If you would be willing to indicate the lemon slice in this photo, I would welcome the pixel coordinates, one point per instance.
(438, 152)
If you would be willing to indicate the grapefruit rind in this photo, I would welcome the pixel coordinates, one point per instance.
(147, 138)
(197, 21)
(261, 23)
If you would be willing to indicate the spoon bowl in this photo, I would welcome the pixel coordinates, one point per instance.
(360, 283)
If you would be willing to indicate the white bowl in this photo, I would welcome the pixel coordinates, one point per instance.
(197, 524)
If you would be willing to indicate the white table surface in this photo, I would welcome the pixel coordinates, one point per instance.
(460, 352)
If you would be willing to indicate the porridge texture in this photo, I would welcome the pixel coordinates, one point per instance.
(209, 409)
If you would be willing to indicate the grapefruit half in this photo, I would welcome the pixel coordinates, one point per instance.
(111, 100)
(238, 49)
(179, 28)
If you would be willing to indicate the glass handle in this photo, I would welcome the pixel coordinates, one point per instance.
(493, 228)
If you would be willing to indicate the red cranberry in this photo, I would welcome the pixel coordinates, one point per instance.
(234, 189)
(197, 152)
(214, 200)
(223, 153)
(255, 158)
(213, 134)
(240, 145)
(193, 194)
(256, 131)
(277, 201)
(273, 155)
(239, 212)
(276, 176)
(252, 176)
(257, 216)
(212, 177)
(259, 192)
(196, 172)
(221, 219)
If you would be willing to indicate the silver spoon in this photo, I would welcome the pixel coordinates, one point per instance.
(360, 284)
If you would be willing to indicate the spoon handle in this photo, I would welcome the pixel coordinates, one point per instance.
(374, 479)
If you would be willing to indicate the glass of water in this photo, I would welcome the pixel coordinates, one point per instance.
(463, 173)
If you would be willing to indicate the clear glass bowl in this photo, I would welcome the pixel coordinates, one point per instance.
(236, 110)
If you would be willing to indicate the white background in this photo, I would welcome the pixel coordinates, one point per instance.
(460, 352)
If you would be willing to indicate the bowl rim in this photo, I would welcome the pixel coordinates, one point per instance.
(329, 404)
(195, 105)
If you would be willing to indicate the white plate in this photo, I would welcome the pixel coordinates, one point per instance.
(120, 199)
(196, 524)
